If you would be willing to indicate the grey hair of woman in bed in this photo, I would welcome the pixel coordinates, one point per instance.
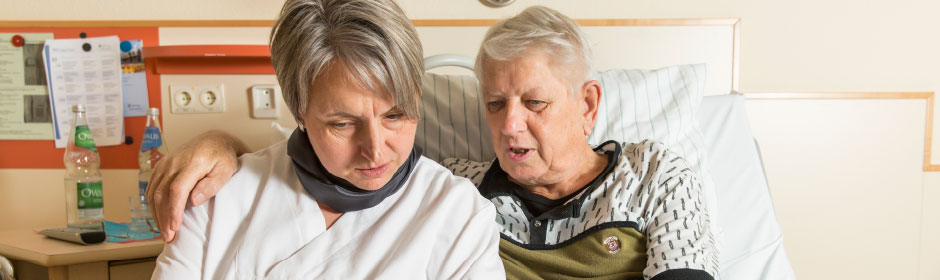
(373, 38)
(543, 29)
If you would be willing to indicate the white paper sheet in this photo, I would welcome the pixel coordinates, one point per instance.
(86, 71)
(24, 104)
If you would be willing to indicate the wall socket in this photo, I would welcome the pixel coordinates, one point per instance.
(185, 99)
(264, 101)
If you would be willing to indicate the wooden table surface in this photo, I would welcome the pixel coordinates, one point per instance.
(28, 245)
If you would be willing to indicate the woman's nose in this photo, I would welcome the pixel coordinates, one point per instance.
(514, 121)
(371, 143)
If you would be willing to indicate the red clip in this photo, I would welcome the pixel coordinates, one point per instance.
(17, 41)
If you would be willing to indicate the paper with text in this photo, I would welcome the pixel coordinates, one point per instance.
(86, 71)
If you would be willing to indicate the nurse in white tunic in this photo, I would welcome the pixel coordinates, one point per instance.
(348, 196)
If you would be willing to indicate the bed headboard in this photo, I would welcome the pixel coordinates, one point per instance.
(618, 43)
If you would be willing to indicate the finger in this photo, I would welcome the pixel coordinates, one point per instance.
(214, 181)
(160, 219)
(156, 194)
(168, 236)
(179, 191)
(157, 206)
(155, 179)
(206, 188)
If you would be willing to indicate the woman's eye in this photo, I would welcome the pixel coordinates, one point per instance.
(395, 116)
(494, 106)
(341, 124)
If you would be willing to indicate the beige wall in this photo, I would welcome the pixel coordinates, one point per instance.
(843, 199)
(797, 45)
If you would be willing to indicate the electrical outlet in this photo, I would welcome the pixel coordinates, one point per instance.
(197, 99)
(182, 99)
(263, 101)
(212, 98)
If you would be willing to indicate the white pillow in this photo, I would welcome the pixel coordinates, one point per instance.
(755, 241)
(659, 104)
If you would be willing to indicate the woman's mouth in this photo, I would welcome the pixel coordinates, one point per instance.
(519, 154)
(373, 172)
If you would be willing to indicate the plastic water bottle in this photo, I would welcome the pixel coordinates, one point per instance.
(152, 149)
(84, 200)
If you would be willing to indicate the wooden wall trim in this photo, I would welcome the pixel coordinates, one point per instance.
(927, 96)
(838, 95)
(137, 23)
(416, 22)
(736, 57)
(928, 137)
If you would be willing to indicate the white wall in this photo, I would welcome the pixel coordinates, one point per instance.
(795, 45)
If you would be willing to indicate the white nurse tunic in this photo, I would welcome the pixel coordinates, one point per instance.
(263, 224)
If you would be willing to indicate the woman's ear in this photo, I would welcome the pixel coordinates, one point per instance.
(590, 100)
(300, 120)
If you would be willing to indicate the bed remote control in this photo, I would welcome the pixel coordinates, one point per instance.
(80, 236)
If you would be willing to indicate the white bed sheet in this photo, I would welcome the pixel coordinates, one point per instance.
(751, 239)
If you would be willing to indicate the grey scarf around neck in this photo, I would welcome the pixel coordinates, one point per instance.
(336, 192)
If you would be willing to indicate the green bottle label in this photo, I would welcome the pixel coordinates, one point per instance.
(90, 196)
(83, 138)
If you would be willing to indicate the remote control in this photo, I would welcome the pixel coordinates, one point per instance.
(80, 236)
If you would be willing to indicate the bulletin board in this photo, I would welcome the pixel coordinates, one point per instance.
(42, 153)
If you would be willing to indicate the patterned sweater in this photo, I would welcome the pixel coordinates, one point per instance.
(643, 217)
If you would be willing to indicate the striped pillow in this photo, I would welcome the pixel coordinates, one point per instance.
(453, 120)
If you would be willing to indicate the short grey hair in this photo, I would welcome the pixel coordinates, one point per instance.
(539, 28)
(373, 38)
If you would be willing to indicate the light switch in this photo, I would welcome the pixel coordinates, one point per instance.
(263, 101)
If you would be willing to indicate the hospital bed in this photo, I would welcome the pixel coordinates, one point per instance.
(686, 98)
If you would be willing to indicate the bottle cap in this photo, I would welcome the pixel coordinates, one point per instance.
(78, 108)
(154, 111)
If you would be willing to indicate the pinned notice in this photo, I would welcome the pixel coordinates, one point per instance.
(135, 79)
(86, 71)
(24, 103)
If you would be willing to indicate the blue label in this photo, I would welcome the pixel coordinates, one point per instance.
(152, 139)
(142, 190)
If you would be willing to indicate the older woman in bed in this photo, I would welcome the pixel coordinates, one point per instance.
(348, 196)
(566, 209)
